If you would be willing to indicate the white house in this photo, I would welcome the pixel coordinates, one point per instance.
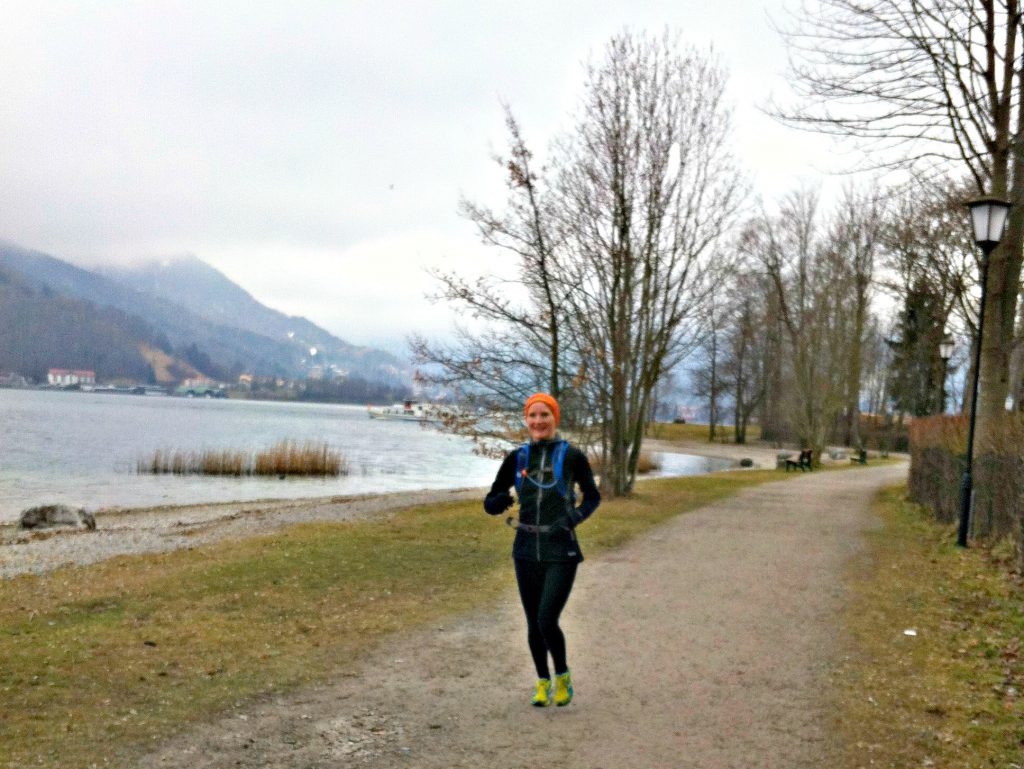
(63, 377)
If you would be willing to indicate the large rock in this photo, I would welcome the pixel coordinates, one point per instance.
(46, 516)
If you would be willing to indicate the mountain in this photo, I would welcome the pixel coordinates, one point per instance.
(43, 330)
(209, 294)
(189, 309)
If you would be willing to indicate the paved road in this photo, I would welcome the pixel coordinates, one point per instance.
(705, 643)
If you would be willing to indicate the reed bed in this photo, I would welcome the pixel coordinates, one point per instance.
(291, 458)
(287, 458)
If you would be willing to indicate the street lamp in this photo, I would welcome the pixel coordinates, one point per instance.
(946, 347)
(988, 219)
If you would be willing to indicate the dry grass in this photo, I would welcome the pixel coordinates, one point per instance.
(290, 458)
(100, 662)
(949, 696)
(647, 462)
(284, 459)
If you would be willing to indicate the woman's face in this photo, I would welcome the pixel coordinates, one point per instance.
(540, 422)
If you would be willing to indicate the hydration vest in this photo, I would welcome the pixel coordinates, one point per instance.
(558, 461)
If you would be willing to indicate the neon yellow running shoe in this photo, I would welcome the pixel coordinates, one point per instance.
(542, 697)
(563, 689)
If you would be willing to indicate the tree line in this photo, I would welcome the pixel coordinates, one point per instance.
(629, 253)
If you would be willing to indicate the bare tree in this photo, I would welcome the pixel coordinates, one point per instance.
(519, 350)
(927, 242)
(706, 377)
(647, 186)
(731, 370)
(810, 284)
(743, 367)
(935, 82)
(614, 254)
(856, 237)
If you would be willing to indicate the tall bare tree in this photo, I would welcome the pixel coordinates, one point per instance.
(706, 377)
(615, 254)
(647, 186)
(927, 242)
(746, 341)
(518, 348)
(856, 237)
(811, 285)
(936, 82)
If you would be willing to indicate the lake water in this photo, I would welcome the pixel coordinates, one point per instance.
(82, 449)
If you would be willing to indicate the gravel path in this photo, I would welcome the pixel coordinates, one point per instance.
(706, 643)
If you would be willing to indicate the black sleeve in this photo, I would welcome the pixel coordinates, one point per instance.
(584, 476)
(498, 500)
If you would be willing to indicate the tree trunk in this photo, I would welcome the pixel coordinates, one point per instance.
(853, 382)
(996, 341)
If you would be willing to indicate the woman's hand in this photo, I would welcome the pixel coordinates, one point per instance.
(496, 504)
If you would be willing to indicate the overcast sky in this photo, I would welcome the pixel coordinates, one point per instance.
(315, 152)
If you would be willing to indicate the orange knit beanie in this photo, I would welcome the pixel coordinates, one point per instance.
(546, 399)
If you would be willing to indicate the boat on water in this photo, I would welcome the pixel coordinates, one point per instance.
(408, 411)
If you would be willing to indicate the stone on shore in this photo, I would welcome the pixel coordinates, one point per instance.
(47, 516)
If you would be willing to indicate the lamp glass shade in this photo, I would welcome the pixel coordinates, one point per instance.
(988, 218)
(946, 349)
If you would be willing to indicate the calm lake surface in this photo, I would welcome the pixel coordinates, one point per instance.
(82, 449)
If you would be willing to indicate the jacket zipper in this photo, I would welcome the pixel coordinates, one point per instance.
(540, 493)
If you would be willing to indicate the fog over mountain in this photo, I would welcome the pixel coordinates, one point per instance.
(185, 308)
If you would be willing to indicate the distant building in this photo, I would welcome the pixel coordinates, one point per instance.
(201, 387)
(200, 382)
(63, 377)
(11, 379)
(686, 413)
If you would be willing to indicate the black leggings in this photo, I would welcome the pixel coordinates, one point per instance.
(544, 588)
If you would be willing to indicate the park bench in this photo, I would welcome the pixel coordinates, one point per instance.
(861, 457)
(802, 463)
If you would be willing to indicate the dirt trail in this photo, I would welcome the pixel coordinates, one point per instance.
(705, 643)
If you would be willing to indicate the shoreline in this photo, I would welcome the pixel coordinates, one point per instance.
(164, 528)
(138, 531)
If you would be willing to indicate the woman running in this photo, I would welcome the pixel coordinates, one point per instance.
(546, 552)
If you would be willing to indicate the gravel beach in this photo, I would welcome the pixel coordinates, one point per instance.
(161, 529)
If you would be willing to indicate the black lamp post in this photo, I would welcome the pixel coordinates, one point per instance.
(988, 218)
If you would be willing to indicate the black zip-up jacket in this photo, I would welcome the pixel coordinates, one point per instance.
(546, 507)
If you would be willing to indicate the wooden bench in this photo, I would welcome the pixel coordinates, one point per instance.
(802, 463)
(861, 457)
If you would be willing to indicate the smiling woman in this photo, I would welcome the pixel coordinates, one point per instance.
(546, 552)
(542, 415)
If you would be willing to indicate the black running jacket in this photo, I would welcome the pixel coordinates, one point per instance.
(550, 518)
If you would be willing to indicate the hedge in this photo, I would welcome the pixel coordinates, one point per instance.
(938, 446)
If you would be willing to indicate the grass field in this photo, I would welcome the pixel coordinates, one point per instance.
(950, 694)
(670, 431)
(101, 661)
